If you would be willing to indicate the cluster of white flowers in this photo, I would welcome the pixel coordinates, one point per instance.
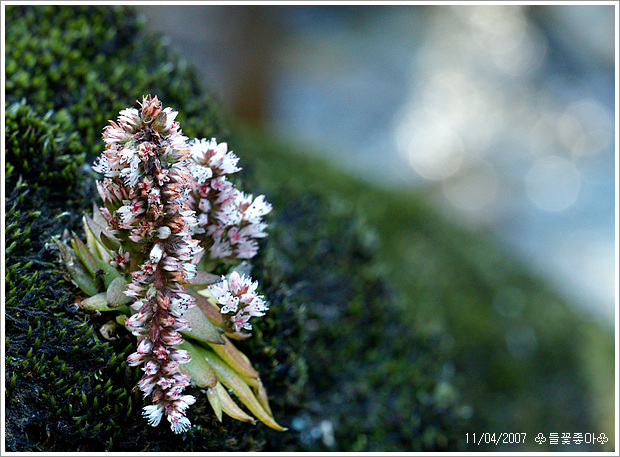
(168, 202)
(237, 295)
(229, 221)
(147, 179)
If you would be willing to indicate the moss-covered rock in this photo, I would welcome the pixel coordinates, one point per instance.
(89, 62)
(38, 151)
(377, 339)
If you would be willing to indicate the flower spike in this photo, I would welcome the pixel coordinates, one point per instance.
(169, 217)
(145, 164)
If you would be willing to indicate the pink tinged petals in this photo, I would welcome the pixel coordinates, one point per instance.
(151, 367)
(180, 305)
(139, 304)
(254, 231)
(182, 381)
(136, 321)
(171, 338)
(167, 321)
(126, 217)
(147, 383)
(181, 324)
(129, 119)
(237, 294)
(161, 352)
(257, 209)
(229, 303)
(106, 214)
(240, 321)
(136, 359)
(257, 307)
(145, 346)
(247, 249)
(220, 249)
(190, 271)
(165, 383)
(120, 258)
(101, 165)
(180, 355)
(219, 288)
(115, 134)
(103, 191)
(137, 207)
(183, 402)
(203, 220)
(234, 283)
(204, 205)
(179, 423)
(147, 268)
(170, 367)
(170, 264)
(234, 236)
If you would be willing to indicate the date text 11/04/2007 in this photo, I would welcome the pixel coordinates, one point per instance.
(518, 438)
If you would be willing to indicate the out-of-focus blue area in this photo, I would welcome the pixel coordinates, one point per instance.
(503, 114)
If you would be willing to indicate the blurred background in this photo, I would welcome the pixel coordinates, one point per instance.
(502, 115)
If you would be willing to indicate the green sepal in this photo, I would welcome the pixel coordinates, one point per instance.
(208, 309)
(95, 246)
(230, 407)
(261, 395)
(215, 401)
(198, 369)
(80, 275)
(94, 264)
(109, 241)
(84, 254)
(99, 302)
(231, 379)
(203, 279)
(234, 358)
(101, 233)
(239, 362)
(115, 295)
(201, 327)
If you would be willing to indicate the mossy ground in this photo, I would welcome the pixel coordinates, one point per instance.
(381, 329)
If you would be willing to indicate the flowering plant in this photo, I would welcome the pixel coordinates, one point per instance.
(169, 217)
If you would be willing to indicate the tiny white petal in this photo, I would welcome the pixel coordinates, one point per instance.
(153, 413)
(156, 253)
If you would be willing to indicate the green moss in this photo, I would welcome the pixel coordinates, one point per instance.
(80, 66)
(39, 151)
(373, 374)
(86, 63)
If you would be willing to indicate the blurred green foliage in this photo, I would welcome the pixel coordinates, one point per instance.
(525, 359)
(388, 325)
